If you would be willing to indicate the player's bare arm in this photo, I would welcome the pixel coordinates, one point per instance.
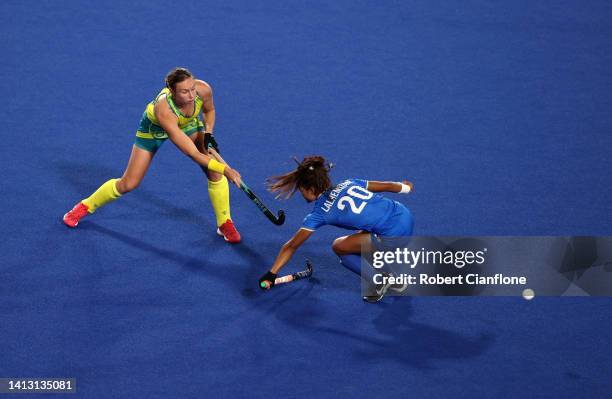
(289, 248)
(284, 255)
(390, 187)
(208, 106)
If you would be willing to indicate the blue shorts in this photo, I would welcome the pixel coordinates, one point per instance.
(398, 234)
(400, 223)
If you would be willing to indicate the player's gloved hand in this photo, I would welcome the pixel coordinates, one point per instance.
(267, 281)
(209, 141)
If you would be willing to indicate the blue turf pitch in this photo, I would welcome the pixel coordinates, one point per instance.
(500, 112)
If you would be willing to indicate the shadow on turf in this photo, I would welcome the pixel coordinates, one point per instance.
(390, 334)
(199, 265)
(256, 263)
(417, 344)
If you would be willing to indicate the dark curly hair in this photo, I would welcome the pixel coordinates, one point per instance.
(311, 173)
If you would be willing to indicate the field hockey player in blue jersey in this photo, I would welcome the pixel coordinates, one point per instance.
(352, 204)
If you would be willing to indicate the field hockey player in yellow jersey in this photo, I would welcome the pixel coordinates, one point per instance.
(174, 115)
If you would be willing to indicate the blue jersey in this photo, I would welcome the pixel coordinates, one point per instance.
(351, 206)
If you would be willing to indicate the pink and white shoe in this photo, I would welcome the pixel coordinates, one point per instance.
(73, 216)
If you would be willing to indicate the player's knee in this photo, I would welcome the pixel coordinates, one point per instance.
(213, 176)
(337, 246)
(125, 185)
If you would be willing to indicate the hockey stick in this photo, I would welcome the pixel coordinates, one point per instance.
(291, 277)
(277, 220)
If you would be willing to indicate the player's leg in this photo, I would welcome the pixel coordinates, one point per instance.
(349, 249)
(352, 244)
(137, 167)
(218, 191)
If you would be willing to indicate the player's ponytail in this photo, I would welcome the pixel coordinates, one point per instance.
(311, 173)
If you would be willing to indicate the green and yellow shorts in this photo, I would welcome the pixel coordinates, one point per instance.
(151, 136)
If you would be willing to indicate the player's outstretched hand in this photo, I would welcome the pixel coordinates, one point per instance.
(267, 280)
(232, 175)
